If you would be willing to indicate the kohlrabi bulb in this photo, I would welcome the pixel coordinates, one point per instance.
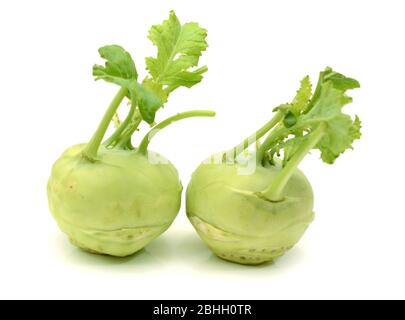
(115, 205)
(226, 209)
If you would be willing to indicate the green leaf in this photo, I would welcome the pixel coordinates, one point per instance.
(339, 136)
(340, 130)
(149, 84)
(302, 96)
(179, 49)
(120, 69)
(356, 133)
(328, 105)
(148, 101)
(300, 102)
(340, 81)
(119, 64)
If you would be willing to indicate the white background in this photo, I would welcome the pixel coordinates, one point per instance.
(259, 50)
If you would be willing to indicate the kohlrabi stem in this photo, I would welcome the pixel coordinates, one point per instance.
(316, 94)
(143, 146)
(269, 141)
(117, 133)
(91, 149)
(125, 138)
(275, 190)
(256, 136)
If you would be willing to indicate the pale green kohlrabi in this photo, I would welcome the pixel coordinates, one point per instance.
(110, 197)
(251, 207)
